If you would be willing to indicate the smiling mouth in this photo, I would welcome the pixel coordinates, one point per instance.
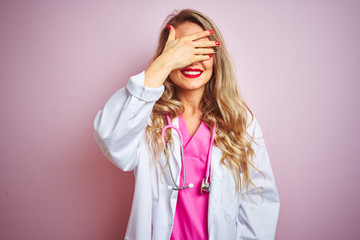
(191, 73)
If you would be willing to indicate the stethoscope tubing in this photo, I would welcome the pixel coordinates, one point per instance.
(205, 186)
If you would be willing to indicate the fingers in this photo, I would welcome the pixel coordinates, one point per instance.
(199, 58)
(189, 49)
(206, 44)
(199, 35)
(172, 33)
(203, 51)
(205, 47)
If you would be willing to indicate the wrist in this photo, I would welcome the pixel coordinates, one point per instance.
(164, 63)
(157, 72)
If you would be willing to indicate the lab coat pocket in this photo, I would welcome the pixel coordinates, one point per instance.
(230, 196)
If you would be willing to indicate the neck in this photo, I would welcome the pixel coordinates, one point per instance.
(191, 101)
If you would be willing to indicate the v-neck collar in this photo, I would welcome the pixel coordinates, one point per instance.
(185, 131)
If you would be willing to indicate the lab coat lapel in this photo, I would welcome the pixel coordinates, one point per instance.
(215, 187)
(216, 171)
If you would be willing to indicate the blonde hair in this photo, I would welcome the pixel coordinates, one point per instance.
(221, 103)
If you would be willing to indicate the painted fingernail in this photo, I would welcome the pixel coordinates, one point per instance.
(217, 43)
(211, 31)
(210, 55)
(214, 49)
(169, 27)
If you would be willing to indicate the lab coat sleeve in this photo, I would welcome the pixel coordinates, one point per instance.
(121, 124)
(259, 221)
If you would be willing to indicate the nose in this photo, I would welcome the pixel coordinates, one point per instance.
(194, 64)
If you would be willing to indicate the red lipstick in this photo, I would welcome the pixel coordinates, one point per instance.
(191, 72)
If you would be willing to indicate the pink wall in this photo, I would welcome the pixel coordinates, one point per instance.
(61, 60)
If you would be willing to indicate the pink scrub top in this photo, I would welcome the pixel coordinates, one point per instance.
(192, 207)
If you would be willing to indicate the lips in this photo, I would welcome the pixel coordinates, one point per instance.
(191, 72)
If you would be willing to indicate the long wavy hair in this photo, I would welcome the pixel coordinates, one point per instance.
(221, 103)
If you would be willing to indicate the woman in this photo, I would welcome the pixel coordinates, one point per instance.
(208, 176)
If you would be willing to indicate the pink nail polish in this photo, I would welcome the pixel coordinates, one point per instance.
(217, 43)
(169, 27)
(211, 31)
(210, 55)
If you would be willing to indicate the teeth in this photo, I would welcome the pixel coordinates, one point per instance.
(192, 72)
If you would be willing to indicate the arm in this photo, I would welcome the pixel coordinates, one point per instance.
(121, 124)
(259, 221)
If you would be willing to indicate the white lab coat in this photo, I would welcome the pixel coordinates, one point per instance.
(120, 133)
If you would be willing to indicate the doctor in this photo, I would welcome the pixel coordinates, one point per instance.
(207, 175)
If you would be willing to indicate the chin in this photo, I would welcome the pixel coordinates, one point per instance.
(190, 87)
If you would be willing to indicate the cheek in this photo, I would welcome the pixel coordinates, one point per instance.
(174, 75)
(208, 65)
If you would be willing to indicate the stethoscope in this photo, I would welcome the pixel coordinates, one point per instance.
(205, 185)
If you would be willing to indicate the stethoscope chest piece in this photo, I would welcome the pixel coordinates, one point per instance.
(205, 185)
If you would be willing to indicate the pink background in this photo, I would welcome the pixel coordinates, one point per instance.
(298, 68)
